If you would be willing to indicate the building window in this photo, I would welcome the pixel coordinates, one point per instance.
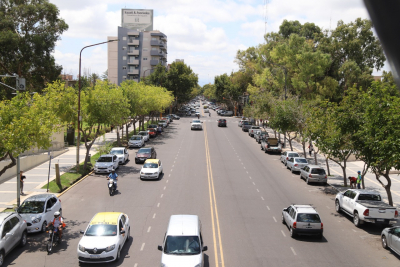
(124, 38)
(124, 48)
(145, 58)
(124, 67)
(124, 58)
(154, 58)
(145, 49)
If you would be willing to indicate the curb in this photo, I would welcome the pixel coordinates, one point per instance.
(80, 180)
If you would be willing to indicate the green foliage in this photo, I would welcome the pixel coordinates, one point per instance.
(180, 81)
(308, 30)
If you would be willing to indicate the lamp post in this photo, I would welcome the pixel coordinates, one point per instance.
(79, 102)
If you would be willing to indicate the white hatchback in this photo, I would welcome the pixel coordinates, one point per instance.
(285, 156)
(152, 169)
(121, 153)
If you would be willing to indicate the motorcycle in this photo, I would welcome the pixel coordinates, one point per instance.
(111, 187)
(54, 238)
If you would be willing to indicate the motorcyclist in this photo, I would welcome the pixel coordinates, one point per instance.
(114, 176)
(58, 223)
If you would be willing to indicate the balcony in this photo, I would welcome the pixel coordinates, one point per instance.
(154, 62)
(133, 33)
(157, 53)
(155, 42)
(133, 53)
(133, 72)
(133, 42)
(133, 62)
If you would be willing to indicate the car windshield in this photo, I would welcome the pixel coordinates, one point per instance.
(105, 159)
(136, 138)
(150, 165)
(143, 133)
(246, 123)
(144, 150)
(117, 152)
(318, 171)
(101, 230)
(196, 121)
(182, 245)
(308, 218)
(31, 207)
(372, 197)
(301, 160)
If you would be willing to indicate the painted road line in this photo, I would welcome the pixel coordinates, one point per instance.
(213, 207)
(258, 190)
(154, 215)
(135, 265)
(294, 252)
(283, 233)
(274, 219)
(162, 195)
(169, 175)
(165, 187)
(268, 208)
(158, 205)
(254, 183)
(142, 247)
(262, 198)
(167, 181)
(148, 230)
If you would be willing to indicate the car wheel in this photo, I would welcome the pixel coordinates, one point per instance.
(43, 227)
(1, 258)
(384, 242)
(356, 219)
(337, 206)
(22, 242)
(292, 233)
(291, 170)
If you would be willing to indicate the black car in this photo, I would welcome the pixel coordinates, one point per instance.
(145, 153)
(221, 122)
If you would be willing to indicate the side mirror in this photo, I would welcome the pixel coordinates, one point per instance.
(122, 232)
(48, 210)
(284, 209)
(82, 232)
(205, 248)
(159, 248)
(8, 235)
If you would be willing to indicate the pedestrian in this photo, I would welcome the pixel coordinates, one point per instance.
(209, 113)
(159, 130)
(353, 181)
(310, 148)
(21, 181)
(359, 179)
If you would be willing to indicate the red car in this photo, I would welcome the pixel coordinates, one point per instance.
(152, 132)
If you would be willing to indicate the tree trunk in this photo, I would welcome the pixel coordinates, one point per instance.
(12, 163)
(364, 171)
(89, 145)
(303, 143)
(315, 157)
(134, 126)
(387, 186)
(118, 139)
(127, 131)
(327, 166)
(343, 167)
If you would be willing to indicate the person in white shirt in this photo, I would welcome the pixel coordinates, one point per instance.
(58, 223)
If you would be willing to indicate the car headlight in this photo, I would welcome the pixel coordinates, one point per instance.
(36, 220)
(155, 173)
(81, 248)
(110, 248)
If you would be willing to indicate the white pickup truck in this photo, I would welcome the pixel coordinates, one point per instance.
(365, 206)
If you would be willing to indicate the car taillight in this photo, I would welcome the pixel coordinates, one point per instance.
(326, 176)
(396, 214)
(366, 212)
(287, 158)
(310, 175)
(294, 225)
(322, 226)
(296, 165)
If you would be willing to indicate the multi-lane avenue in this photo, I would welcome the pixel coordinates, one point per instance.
(238, 192)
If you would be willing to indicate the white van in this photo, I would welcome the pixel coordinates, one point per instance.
(183, 243)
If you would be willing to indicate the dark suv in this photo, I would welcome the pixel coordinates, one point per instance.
(221, 122)
(145, 153)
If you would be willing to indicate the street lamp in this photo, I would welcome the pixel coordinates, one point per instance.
(79, 102)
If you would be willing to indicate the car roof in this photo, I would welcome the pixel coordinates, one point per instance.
(106, 155)
(117, 148)
(365, 191)
(183, 225)
(40, 197)
(315, 166)
(305, 209)
(151, 161)
(105, 218)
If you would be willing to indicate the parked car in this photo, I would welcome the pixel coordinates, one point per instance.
(365, 206)
(38, 211)
(220, 111)
(252, 129)
(136, 141)
(196, 125)
(152, 169)
(286, 155)
(121, 153)
(302, 220)
(106, 164)
(176, 117)
(271, 145)
(221, 122)
(170, 118)
(246, 125)
(145, 135)
(227, 113)
(240, 123)
(260, 135)
(13, 233)
(154, 126)
(313, 173)
(206, 110)
(152, 132)
(163, 123)
(390, 238)
(145, 153)
(104, 238)
(296, 164)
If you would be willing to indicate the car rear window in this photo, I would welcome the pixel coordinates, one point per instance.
(301, 160)
(318, 171)
(293, 155)
(369, 197)
(308, 218)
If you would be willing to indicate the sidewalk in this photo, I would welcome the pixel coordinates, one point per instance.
(336, 178)
(37, 177)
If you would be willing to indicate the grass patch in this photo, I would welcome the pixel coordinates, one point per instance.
(70, 177)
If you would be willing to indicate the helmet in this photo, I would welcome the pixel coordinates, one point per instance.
(56, 214)
(358, 172)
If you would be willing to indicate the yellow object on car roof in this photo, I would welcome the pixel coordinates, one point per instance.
(105, 218)
(151, 161)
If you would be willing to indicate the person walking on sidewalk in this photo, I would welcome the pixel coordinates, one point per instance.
(21, 181)
(310, 148)
(359, 179)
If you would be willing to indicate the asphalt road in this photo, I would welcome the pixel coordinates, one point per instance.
(238, 192)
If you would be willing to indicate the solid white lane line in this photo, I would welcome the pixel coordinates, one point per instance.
(167, 181)
(154, 215)
(283, 233)
(148, 230)
(158, 205)
(141, 249)
(162, 195)
(262, 198)
(135, 265)
(268, 208)
(274, 219)
(165, 187)
(294, 252)
(169, 175)
(254, 183)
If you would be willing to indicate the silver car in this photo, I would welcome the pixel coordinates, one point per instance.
(286, 155)
(302, 220)
(390, 238)
(13, 233)
(295, 164)
(313, 173)
(106, 164)
(136, 141)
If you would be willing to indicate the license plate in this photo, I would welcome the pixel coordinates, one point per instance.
(94, 256)
(380, 220)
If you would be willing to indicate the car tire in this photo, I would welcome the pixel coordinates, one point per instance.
(337, 206)
(384, 242)
(356, 219)
(1, 258)
(291, 170)
(23, 240)
(292, 233)
(43, 227)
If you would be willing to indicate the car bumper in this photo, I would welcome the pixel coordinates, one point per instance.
(102, 170)
(103, 257)
(380, 221)
(317, 180)
(197, 128)
(135, 145)
(296, 169)
(34, 228)
(149, 176)
(140, 159)
(274, 150)
(308, 231)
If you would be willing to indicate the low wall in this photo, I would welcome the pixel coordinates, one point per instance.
(27, 163)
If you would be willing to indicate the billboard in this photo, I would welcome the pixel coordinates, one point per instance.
(137, 19)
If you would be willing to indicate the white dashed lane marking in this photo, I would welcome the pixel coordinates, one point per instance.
(268, 208)
(158, 205)
(154, 215)
(141, 249)
(274, 219)
(283, 233)
(258, 190)
(148, 230)
(262, 198)
(254, 183)
(161, 195)
(294, 252)
(165, 187)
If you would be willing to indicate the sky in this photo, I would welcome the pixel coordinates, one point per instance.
(207, 34)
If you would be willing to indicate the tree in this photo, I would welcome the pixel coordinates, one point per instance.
(307, 30)
(180, 81)
(28, 33)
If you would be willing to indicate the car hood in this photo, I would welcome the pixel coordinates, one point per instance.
(29, 217)
(181, 261)
(196, 123)
(143, 155)
(149, 170)
(98, 241)
(135, 141)
(103, 164)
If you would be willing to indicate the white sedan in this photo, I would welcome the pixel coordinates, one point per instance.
(121, 153)
(104, 238)
(196, 125)
(152, 169)
(145, 135)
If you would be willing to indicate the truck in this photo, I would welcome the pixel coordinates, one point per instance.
(271, 145)
(365, 206)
